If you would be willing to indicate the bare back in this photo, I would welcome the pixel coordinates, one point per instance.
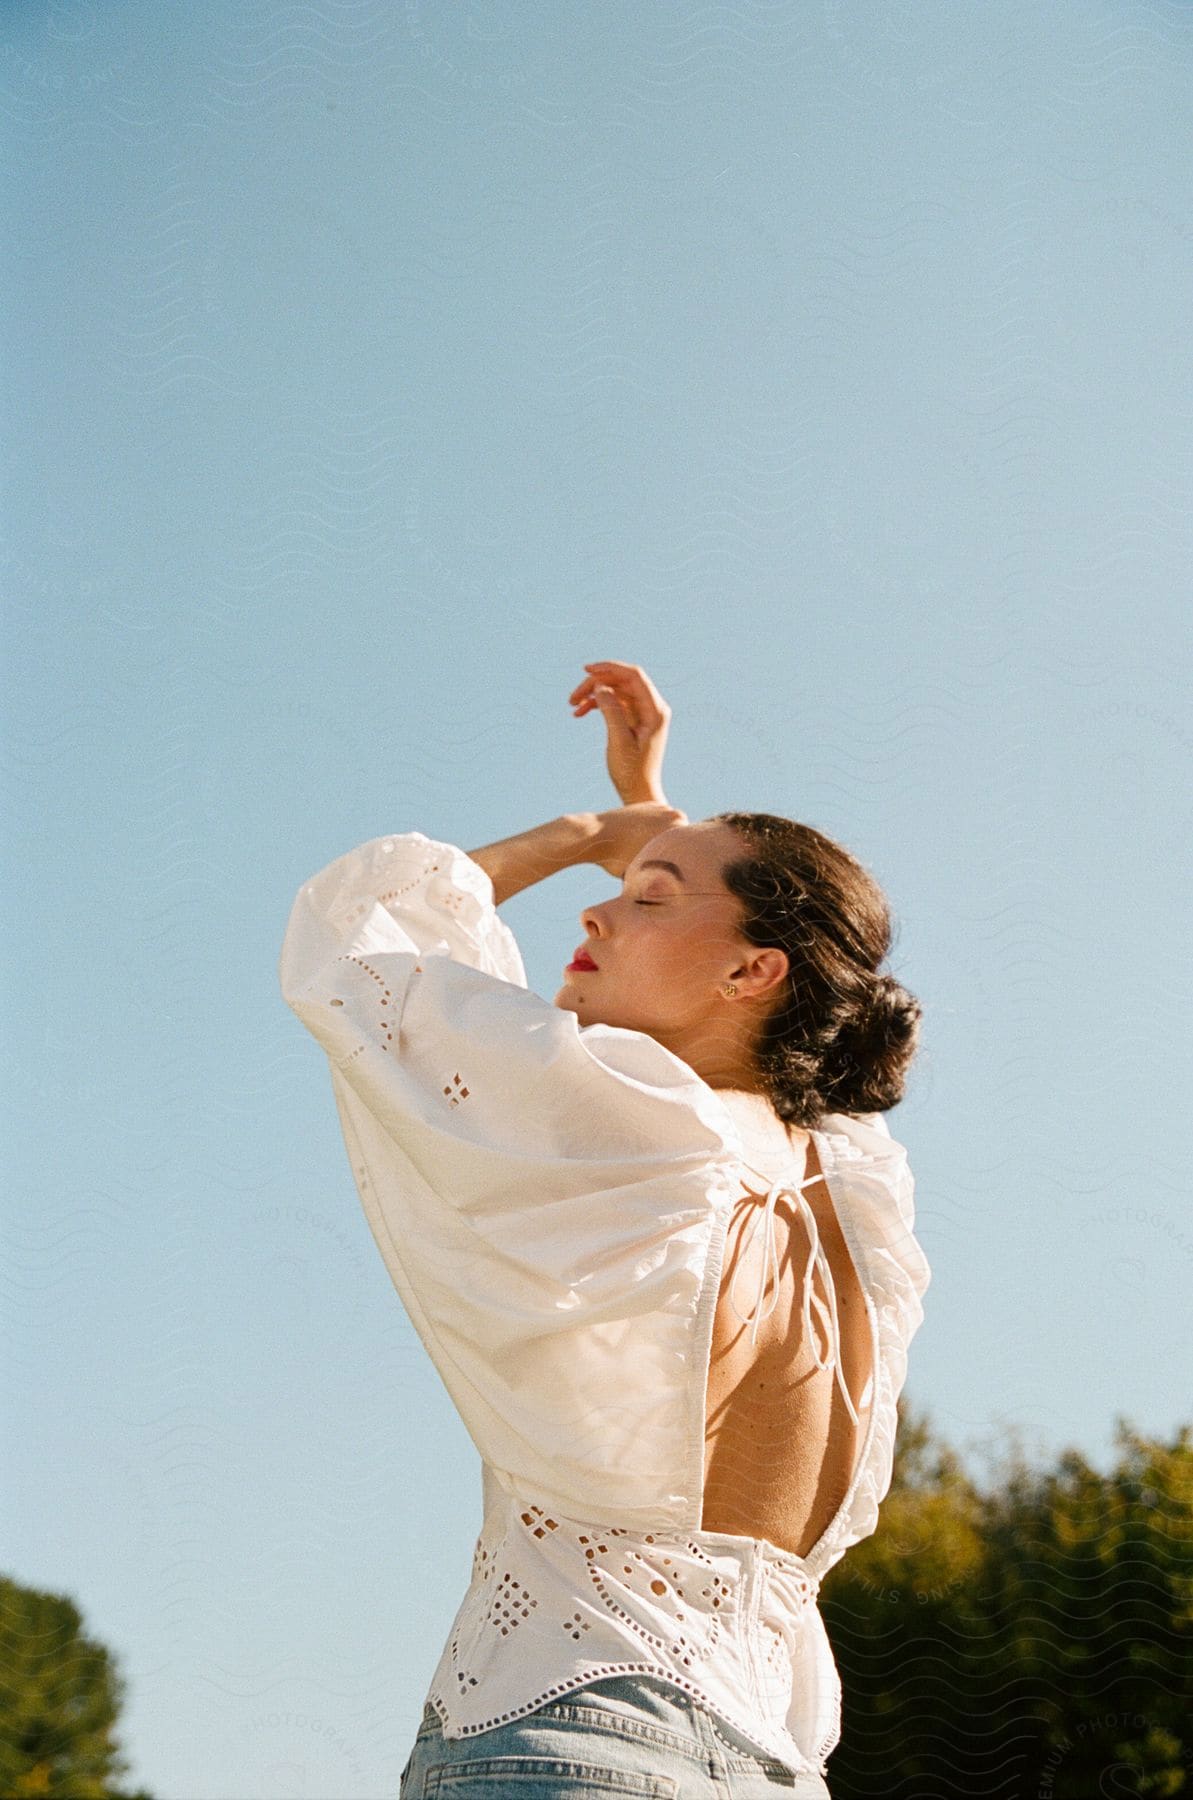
(779, 1445)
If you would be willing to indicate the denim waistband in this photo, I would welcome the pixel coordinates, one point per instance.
(649, 1711)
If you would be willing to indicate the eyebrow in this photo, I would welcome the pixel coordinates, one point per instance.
(670, 867)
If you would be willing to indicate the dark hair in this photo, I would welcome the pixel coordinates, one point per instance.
(844, 1035)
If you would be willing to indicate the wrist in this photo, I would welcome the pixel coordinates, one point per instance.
(576, 835)
(518, 862)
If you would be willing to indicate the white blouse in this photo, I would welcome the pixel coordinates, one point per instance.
(552, 1203)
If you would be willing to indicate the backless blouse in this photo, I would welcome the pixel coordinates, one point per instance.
(552, 1203)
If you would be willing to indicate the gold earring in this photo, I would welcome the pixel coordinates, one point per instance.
(731, 988)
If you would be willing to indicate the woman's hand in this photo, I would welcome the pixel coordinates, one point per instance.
(620, 834)
(637, 720)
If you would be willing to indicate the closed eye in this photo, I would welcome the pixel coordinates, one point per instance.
(648, 903)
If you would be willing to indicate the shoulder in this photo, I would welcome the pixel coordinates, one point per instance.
(862, 1143)
(874, 1169)
(651, 1084)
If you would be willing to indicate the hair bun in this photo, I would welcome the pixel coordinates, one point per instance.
(889, 1012)
(843, 1035)
(889, 998)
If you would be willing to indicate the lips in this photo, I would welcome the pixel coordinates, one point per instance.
(582, 960)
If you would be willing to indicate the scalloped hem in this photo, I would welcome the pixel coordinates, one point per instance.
(779, 1746)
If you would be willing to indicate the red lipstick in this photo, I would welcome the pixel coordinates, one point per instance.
(582, 961)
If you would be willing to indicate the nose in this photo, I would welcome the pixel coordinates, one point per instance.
(590, 922)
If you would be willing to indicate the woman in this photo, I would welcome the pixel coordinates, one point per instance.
(571, 1198)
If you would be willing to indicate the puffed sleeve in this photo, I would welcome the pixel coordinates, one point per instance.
(395, 960)
(542, 1194)
(879, 1168)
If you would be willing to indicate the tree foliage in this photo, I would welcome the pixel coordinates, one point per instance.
(1030, 1639)
(59, 1698)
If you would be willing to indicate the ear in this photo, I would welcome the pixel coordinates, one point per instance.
(764, 972)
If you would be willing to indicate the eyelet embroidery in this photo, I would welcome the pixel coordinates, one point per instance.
(539, 1531)
(509, 1590)
(776, 1656)
(681, 1624)
(452, 900)
(455, 1082)
(397, 892)
(387, 996)
(691, 1631)
(635, 1578)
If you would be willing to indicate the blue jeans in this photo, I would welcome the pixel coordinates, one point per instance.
(625, 1735)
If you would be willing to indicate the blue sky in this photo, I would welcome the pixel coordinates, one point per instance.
(369, 369)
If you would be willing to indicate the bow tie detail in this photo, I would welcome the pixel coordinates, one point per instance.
(818, 1260)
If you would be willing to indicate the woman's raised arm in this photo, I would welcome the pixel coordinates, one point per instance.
(637, 720)
(514, 863)
(610, 839)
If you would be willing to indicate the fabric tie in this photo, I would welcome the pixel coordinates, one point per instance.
(818, 1259)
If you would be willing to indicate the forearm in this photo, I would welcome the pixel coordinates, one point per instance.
(515, 863)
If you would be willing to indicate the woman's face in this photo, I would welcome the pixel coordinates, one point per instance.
(665, 945)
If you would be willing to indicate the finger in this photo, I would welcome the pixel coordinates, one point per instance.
(583, 698)
(584, 688)
(637, 687)
(611, 671)
(620, 706)
(615, 712)
(631, 674)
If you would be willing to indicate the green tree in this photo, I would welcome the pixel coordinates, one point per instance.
(894, 1608)
(59, 1698)
(1095, 1574)
(1033, 1639)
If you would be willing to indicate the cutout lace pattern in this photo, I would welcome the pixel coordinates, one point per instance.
(679, 1606)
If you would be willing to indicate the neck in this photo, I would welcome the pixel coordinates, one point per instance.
(758, 1120)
